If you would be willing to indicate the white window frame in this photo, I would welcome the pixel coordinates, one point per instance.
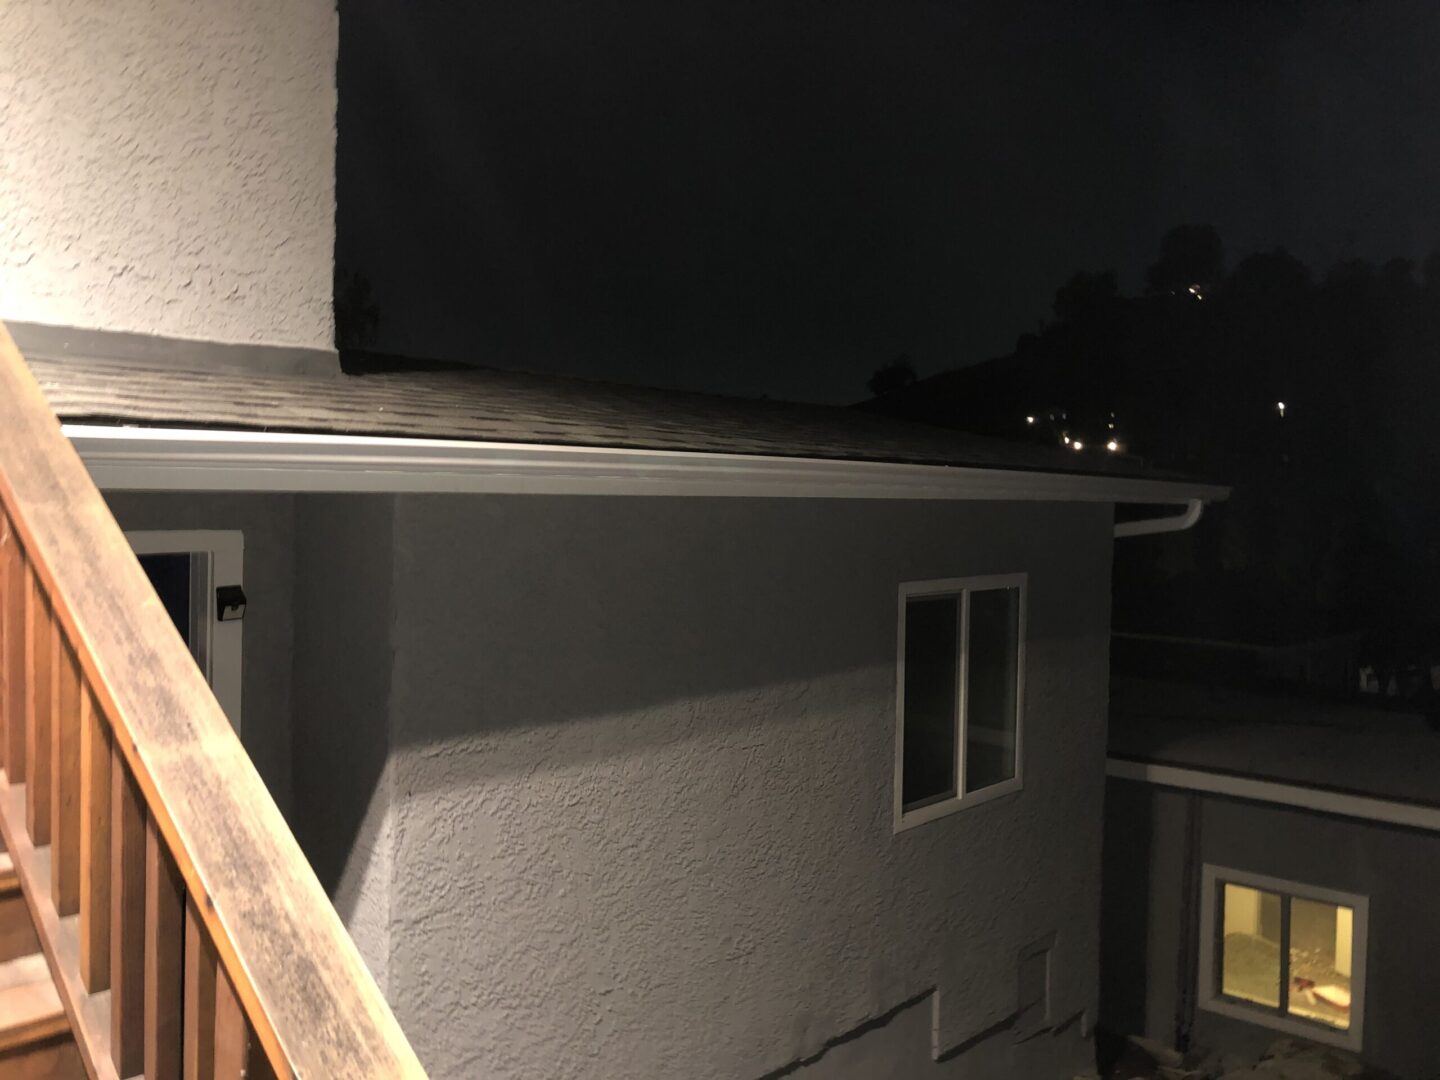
(961, 588)
(1212, 1000)
(218, 645)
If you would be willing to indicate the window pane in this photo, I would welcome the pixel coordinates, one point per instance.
(992, 687)
(1321, 941)
(931, 636)
(1250, 954)
(170, 574)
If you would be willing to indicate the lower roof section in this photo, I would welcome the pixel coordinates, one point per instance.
(1345, 748)
(204, 459)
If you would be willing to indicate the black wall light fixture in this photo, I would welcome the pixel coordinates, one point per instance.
(229, 603)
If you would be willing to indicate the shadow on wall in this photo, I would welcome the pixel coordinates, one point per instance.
(422, 621)
(650, 738)
(342, 667)
(516, 611)
(1124, 910)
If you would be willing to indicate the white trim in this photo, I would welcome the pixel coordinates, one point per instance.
(179, 459)
(218, 646)
(961, 588)
(1210, 998)
(1320, 800)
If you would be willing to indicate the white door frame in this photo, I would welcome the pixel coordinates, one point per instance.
(221, 561)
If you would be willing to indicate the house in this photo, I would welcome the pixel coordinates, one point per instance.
(645, 705)
(485, 722)
(1269, 868)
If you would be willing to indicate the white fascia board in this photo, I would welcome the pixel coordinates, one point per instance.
(180, 459)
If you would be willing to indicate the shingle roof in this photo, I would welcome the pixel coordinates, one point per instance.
(504, 406)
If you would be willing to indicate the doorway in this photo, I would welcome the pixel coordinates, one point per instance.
(186, 568)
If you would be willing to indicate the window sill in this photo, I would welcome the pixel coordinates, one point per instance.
(1315, 1031)
(908, 819)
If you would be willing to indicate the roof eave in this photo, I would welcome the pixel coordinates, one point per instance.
(208, 459)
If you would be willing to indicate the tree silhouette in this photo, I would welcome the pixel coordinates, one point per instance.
(357, 315)
(896, 375)
(1313, 394)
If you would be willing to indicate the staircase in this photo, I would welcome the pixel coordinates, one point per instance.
(157, 917)
(35, 1038)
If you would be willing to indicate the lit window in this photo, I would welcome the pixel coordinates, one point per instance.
(1284, 955)
(958, 708)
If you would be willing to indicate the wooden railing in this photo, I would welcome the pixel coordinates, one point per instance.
(185, 931)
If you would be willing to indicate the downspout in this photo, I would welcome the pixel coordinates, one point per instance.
(1174, 523)
(1188, 960)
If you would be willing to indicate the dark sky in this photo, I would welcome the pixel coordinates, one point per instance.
(777, 197)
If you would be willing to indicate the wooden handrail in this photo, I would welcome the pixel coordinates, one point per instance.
(178, 914)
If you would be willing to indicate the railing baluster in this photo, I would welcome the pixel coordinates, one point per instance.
(199, 1051)
(127, 920)
(65, 783)
(164, 956)
(257, 1065)
(123, 786)
(9, 545)
(16, 586)
(232, 1033)
(95, 768)
(40, 662)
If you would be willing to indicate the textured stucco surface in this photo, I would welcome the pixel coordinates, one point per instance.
(640, 768)
(268, 522)
(343, 790)
(168, 167)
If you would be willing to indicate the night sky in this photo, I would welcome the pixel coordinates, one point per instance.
(778, 197)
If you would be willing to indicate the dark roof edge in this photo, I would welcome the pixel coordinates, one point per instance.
(43, 341)
(1258, 787)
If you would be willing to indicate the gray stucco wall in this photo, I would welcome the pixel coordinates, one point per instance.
(1397, 869)
(169, 167)
(641, 754)
(343, 655)
(268, 522)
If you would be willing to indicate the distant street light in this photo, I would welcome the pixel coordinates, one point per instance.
(1280, 408)
(1029, 419)
(1112, 446)
(1077, 445)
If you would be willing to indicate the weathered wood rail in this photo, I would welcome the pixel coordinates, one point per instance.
(183, 927)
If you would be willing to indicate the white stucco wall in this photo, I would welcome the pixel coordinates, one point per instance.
(167, 167)
(640, 763)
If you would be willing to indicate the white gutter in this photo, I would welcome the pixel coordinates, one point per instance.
(178, 459)
(1319, 800)
(1150, 526)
